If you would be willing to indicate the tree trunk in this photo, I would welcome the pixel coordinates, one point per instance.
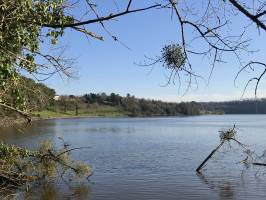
(77, 112)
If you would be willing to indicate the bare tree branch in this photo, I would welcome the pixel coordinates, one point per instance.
(22, 113)
(254, 18)
(101, 19)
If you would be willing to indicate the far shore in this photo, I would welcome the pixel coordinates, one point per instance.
(11, 121)
(80, 116)
(50, 115)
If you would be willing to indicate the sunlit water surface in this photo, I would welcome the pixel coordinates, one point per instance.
(152, 158)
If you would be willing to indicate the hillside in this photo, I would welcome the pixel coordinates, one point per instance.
(249, 106)
(42, 102)
(102, 104)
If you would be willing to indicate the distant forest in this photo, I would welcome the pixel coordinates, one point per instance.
(38, 98)
(145, 107)
(249, 106)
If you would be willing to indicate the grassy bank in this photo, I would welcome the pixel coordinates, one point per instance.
(100, 111)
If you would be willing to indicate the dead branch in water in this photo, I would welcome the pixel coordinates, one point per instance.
(230, 135)
(261, 164)
(209, 156)
(227, 136)
(20, 167)
(224, 136)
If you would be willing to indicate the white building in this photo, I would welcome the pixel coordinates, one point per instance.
(56, 97)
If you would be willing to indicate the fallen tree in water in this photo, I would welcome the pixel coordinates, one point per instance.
(226, 136)
(20, 167)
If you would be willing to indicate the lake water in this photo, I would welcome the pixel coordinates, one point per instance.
(152, 158)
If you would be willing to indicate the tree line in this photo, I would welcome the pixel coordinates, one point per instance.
(247, 106)
(130, 104)
(148, 107)
(39, 97)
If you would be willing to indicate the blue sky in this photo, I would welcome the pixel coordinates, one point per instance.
(109, 66)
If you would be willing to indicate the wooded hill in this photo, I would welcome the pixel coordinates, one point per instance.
(129, 105)
(248, 106)
(39, 98)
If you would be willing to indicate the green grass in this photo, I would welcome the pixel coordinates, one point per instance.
(50, 114)
(99, 111)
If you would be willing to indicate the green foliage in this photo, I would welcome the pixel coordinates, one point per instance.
(246, 106)
(11, 152)
(20, 166)
(57, 110)
(20, 35)
(107, 105)
(28, 96)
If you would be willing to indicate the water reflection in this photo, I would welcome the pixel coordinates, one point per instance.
(109, 130)
(53, 191)
(152, 158)
(224, 188)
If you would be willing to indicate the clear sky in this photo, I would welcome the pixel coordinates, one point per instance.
(109, 66)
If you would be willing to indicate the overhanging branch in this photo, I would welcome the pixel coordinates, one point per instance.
(22, 113)
(100, 19)
(254, 18)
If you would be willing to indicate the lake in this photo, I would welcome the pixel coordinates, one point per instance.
(152, 158)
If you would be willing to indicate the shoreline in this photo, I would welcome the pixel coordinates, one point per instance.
(11, 121)
(82, 116)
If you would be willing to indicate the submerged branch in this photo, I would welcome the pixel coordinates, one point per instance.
(230, 135)
(224, 136)
(209, 156)
(22, 167)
